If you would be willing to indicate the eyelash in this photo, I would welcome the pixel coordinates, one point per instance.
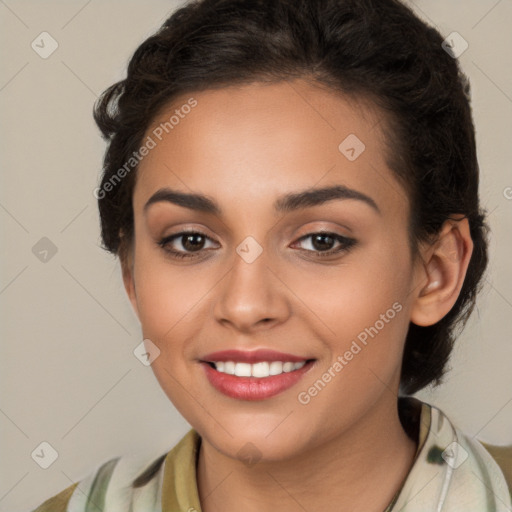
(346, 244)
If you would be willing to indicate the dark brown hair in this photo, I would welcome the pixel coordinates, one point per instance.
(374, 49)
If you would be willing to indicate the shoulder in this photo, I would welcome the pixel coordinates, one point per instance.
(134, 482)
(503, 457)
(114, 485)
(461, 473)
(483, 471)
(59, 502)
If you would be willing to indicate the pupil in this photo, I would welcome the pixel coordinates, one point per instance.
(323, 244)
(189, 244)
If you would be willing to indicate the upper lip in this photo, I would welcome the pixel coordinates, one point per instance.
(253, 356)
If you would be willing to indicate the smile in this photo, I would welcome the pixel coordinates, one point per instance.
(259, 370)
(254, 375)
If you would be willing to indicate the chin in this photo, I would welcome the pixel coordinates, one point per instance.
(261, 442)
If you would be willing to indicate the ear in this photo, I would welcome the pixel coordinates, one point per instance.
(126, 258)
(442, 269)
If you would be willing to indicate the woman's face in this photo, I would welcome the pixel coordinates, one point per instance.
(257, 279)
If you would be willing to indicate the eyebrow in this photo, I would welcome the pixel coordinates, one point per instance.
(284, 204)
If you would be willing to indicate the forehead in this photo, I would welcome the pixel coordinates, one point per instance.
(260, 140)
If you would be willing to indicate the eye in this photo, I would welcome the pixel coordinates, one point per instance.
(190, 244)
(190, 241)
(322, 242)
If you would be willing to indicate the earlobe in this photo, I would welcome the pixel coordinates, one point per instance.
(442, 273)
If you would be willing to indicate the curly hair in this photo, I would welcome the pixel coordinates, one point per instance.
(374, 49)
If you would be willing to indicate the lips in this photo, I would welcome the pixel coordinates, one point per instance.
(253, 356)
(254, 375)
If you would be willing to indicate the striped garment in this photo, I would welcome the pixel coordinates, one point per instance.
(451, 473)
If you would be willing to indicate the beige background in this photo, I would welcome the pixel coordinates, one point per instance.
(68, 374)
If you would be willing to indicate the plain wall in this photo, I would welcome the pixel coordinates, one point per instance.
(68, 374)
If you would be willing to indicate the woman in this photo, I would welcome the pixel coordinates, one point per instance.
(292, 190)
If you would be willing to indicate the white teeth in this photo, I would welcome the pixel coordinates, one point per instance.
(229, 367)
(260, 370)
(287, 367)
(243, 369)
(276, 367)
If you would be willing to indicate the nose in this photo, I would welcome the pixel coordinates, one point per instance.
(251, 297)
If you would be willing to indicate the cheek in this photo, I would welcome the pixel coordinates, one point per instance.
(167, 295)
(363, 307)
(349, 297)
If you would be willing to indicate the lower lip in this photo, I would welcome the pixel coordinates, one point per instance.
(253, 388)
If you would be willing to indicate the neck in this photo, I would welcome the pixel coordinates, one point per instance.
(359, 469)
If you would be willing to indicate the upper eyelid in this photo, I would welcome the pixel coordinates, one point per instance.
(323, 232)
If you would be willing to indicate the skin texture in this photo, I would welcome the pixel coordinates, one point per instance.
(244, 147)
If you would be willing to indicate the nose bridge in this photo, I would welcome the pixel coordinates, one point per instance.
(250, 295)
